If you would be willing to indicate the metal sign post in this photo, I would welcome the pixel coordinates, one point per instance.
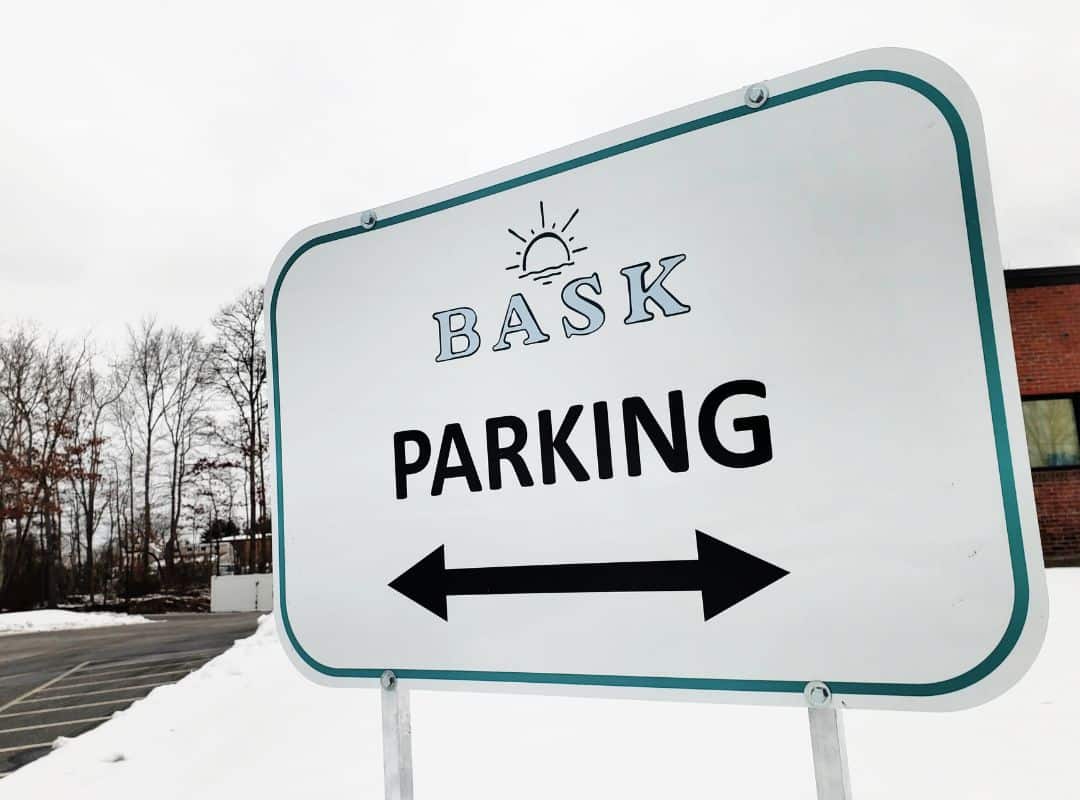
(828, 745)
(826, 741)
(397, 739)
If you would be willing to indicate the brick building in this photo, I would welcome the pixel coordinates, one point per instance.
(1044, 305)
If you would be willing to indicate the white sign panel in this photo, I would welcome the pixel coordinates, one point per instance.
(713, 405)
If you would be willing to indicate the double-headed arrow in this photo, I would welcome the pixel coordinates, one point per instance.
(723, 574)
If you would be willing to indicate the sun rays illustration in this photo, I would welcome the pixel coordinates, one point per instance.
(547, 251)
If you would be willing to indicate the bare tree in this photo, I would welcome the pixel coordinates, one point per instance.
(239, 369)
(38, 389)
(149, 359)
(22, 396)
(98, 394)
(85, 445)
(187, 383)
(64, 369)
(124, 496)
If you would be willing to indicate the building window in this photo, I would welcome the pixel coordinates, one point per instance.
(1051, 425)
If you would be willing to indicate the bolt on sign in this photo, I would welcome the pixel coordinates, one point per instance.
(716, 405)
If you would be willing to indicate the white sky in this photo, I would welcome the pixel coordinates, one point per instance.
(155, 156)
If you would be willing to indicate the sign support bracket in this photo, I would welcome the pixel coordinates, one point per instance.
(396, 738)
(828, 744)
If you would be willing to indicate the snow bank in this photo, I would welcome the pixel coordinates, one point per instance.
(247, 725)
(53, 620)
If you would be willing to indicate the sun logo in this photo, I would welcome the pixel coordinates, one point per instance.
(547, 253)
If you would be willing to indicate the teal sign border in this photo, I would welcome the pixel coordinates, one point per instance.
(993, 382)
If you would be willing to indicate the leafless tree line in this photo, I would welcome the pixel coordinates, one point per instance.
(110, 462)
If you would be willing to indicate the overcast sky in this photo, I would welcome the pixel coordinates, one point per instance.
(154, 156)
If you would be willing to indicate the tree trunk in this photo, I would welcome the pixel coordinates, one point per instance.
(129, 525)
(251, 491)
(170, 556)
(262, 471)
(89, 533)
(146, 506)
(51, 555)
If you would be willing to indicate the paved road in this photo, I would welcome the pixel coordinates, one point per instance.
(67, 682)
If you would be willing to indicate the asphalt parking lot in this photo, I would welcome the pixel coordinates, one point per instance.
(65, 683)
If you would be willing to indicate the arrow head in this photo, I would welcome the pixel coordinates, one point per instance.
(730, 575)
(425, 582)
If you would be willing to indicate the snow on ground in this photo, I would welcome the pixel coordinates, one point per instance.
(54, 620)
(247, 725)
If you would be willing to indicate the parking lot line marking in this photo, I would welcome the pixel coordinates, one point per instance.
(25, 747)
(144, 666)
(53, 725)
(15, 675)
(150, 659)
(22, 697)
(100, 691)
(117, 680)
(41, 711)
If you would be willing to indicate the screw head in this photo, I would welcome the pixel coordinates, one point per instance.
(387, 679)
(818, 694)
(368, 220)
(756, 95)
